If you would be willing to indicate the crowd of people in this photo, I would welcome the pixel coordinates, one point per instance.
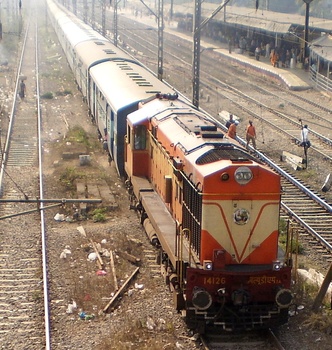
(279, 56)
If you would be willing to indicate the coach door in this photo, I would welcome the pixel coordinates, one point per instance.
(110, 128)
(93, 99)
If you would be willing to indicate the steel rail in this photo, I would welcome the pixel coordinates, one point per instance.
(47, 319)
(5, 151)
(320, 137)
(295, 182)
(306, 226)
(323, 138)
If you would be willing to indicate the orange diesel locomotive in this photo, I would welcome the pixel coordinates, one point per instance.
(214, 212)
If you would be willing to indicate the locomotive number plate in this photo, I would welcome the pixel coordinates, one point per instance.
(214, 280)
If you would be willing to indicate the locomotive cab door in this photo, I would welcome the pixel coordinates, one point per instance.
(137, 156)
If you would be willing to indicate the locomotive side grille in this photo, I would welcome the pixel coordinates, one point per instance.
(192, 213)
(217, 154)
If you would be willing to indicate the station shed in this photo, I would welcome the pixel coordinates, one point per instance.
(256, 27)
(321, 61)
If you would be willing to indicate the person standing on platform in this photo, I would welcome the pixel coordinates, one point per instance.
(230, 45)
(232, 130)
(251, 134)
(230, 121)
(257, 52)
(267, 50)
(274, 58)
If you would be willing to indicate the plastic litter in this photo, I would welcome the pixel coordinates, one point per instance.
(59, 217)
(139, 286)
(150, 324)
(101, 273)
(84, 316)
(64, 253)
(71, 307)
(105, 253)
(179, 345)
(92, 256)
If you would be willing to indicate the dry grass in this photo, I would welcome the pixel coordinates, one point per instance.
(321, 322)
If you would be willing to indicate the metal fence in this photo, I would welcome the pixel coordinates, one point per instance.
(322, 82)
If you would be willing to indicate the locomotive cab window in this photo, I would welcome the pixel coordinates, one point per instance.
(139, 137)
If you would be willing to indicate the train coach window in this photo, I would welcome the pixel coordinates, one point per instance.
(140, 137)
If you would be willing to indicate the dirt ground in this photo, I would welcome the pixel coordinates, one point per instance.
(143, 317)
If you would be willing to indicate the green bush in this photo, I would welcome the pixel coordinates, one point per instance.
(296, 247)
(68, 178)
(47, 96)
(99, 215)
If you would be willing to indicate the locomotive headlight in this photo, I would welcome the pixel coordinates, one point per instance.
(207, 265)
(243, 175)
(276, 265)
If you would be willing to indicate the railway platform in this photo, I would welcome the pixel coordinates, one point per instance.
(296, 79)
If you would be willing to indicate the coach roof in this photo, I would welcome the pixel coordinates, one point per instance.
(92, 52)
(123, 83)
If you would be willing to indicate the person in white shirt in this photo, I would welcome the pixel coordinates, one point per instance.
(305, 137)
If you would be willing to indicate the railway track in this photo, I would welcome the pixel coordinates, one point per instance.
(242, 341)
(287, 121)
(23, 301)
(289, 127)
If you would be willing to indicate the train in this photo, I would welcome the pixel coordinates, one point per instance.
(210, 208)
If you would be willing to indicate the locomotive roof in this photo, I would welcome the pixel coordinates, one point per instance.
(123, 83)
(202, 143)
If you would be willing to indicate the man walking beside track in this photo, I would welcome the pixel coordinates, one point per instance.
(251, 134)
(232, 130)
(22, 89)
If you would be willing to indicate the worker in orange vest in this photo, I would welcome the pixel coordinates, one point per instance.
(251, 134)
(232, 130)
